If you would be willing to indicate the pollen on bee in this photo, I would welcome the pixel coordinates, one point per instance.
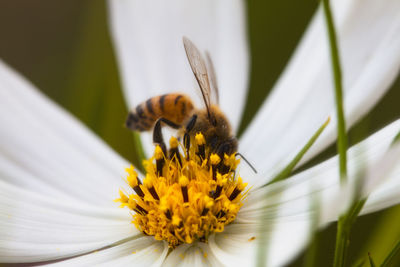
(183, 200)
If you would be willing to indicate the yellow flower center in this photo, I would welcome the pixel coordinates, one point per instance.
(185, 198)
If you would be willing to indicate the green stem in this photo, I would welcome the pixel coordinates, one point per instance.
(312, 251)
(345, 223)
(337, 73)
(288, 169)
(371, 260)
(388, 261)
(343, 231)
(342, 242)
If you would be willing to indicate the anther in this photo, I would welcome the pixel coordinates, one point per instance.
(221, 183)
(214, 160)
(227, 164)
(139, 209)
(201, 142)
(186, 143)
(123, 198)
(164, 207)
(168, 214)
(149, 184)
(134, 181)
(153, 192)
(239, 188)
(174, 150)
(186, 203)
(138, 191)
(208, 204)
(220, 214)
(183, 181)
(159, 155)
(177, 221)
(234, 194)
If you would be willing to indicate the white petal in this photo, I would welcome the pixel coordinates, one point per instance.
(35, 227)
(44, 149)
(235, 246)
(288, 206)
(196, 255)
(144, 251)
(148, 40)
(383, 180)
(57, 179)
(238, 246)
(369, 37)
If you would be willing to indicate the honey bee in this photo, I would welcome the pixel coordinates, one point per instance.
(177, 110)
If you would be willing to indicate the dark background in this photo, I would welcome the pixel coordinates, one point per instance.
(64, 48)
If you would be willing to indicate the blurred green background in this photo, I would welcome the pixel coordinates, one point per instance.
(64, 48)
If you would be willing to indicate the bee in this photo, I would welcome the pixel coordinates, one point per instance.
(177, 110)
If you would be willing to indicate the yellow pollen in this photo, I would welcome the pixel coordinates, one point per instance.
(173, 142)
(240, 184)
(122, 198)
(176, 220)
(209, 202)
(148, 182)
(200, 139)
(231, 161)
(132, 176)
(158, 153)
(214, 159)
(184, 200)
(183, 181)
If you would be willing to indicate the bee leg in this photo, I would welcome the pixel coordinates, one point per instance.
(186, 137)
(248, 163)
(157, 133)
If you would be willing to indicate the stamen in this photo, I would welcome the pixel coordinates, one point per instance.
(168, 214)
(183, 181)
(174, 150)
(221, 183)
(139, 209)
(201, 143)
(148, 182)
(134, 181)
(165, 209)
(184, 199)
(208, 204)
(214, 160)
(159, 155)
(220, 214)
(238, 189)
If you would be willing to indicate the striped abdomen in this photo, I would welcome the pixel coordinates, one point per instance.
(173, 107)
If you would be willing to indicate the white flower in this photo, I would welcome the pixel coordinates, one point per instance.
(58, 180)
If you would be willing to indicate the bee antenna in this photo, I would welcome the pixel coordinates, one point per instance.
(248, 163)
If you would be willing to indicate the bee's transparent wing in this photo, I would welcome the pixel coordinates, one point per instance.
(199, 69)
(213, 78)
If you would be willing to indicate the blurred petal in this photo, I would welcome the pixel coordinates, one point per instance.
(288, 205)
(196, 255)
(369, 38)
(57, 179)
(46, 150)
(235, 246)
(323, 180)
(144, 251)
(383, 180)
(148, 41)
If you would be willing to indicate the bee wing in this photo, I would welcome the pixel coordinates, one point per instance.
(213, 78)
(199, 69)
